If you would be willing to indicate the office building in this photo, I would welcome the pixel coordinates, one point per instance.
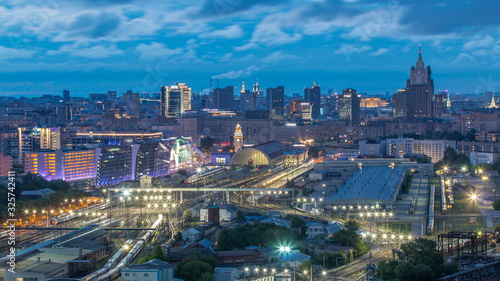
(68, 165)
(223, 98)
(312, 95)
(276, 99)
(399, 147)
(66, 96)
(248, 99)
(132, 103)
(175, 100)
(33, 139)
(349, 107)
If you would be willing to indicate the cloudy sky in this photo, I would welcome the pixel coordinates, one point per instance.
(90, 46)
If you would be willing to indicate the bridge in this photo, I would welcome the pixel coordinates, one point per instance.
(205, 189)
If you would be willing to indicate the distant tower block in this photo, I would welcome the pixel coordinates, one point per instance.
(238, 138)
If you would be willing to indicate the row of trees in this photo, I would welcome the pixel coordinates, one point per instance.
(423, 262)
(196, 268)
(348, 237)
(63, 192)
(261, 234)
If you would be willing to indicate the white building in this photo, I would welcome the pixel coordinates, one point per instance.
(154, 270)
(314, 229)
(433, 148)
(477, 158)
(371, 148)
(226, 213)
(191, 234)
(399, 147)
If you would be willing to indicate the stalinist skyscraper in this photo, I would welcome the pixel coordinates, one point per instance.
(417, 100)
(420, 90)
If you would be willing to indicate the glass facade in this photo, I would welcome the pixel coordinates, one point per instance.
(115, 165)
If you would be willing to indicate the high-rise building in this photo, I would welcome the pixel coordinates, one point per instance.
(420, 90)
(34, 139)
(223, 98)
(400, 104)
(349, 107)
(175, 100)
(238, 138)
(256, 90)
(312, 95)
(133, 103)
(276, 99)
(66, 96)
(111, 96)
(248, 99)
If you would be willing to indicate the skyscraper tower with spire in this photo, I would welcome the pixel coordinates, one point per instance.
(238, 138)
(420, 90)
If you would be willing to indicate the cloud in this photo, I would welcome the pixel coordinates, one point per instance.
(95, 26)
(222, 8)
(14, 53)
(278, 56)
(92, 52)
(379, 52)
(232, 31)
(270, 34)
(156, 50)
(235, 74)
(480, 42)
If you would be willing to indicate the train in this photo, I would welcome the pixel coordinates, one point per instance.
(111, 262)
(112, 269)
(444, 207)
(77, 213)
(430, 221)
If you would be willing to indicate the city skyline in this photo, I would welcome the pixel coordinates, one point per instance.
(127, 45)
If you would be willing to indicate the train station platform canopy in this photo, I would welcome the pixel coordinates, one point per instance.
(264, 154)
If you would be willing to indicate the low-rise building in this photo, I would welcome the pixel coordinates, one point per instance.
(154, 270)
(314, 229)
(36, 194)
(247, 256)
(192, 235)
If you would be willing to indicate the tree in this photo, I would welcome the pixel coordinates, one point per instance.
(240, 217)
(187, 215)
(178, 236)
(423, 251)
(158, 253)
(196, 270)
(207, 143)
(352, 225)
(405, 272)
(386, 269)
(296, 222)
(424, 272)
(449, 268)
(497, 227)
(182, 172)
(496, 204)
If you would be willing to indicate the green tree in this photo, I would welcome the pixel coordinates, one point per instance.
(195, 270)
(423, 251)
(424, 272)
(496, 204)
(386, 269)
(158, 253)
(405, 272)
(297, 222)
(187, 215)
(449, 268)
(240, 217)
(178, 236)
(207, 143)
(352, 225)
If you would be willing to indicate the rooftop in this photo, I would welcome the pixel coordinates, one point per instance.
(374, 183)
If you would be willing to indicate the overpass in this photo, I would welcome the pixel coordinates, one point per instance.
(205, 189)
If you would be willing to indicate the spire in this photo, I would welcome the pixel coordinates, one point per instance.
(420, 62)
(492, 102)
(243, 87)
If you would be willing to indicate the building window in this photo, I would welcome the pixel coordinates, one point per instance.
(127, 274)
(134, 274)
(146, 275)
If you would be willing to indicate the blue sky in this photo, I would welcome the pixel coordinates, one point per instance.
(90, 46)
